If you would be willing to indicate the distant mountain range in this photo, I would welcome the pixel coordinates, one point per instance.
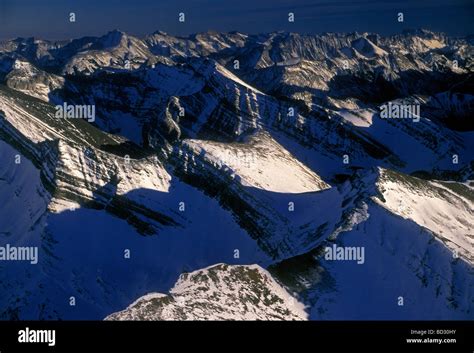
(219, 167)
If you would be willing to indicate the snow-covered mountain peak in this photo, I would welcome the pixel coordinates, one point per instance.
(368, 49)
(112, 39)
(220, 292)
(445, 208)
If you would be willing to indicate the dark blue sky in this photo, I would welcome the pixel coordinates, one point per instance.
(49, 18)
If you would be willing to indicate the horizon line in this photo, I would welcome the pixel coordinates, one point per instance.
(403, 31)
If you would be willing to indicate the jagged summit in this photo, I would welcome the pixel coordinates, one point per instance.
(220, 292)
(367, 48)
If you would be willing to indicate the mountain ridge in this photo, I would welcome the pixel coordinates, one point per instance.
(245, 150)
